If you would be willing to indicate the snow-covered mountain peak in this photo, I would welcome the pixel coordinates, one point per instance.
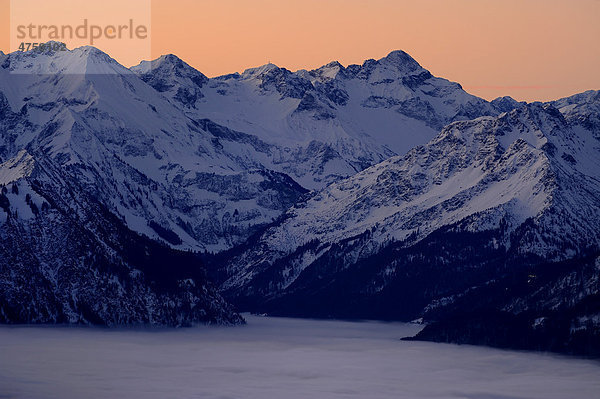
(402, 61)
(506, 103)
(328, 71)
(587, 97)
(86, 60)
(395, 66)
(260, 70)
(79, 78)
(582, 109)
(172, 59)
(174, 78)
(270, 78)
(333, 64)
(173, 65)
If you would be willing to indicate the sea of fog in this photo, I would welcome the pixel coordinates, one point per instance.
(276, 358)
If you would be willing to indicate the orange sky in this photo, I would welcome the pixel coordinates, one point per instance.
(529, 49)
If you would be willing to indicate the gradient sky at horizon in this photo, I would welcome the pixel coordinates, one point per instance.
(528, 49)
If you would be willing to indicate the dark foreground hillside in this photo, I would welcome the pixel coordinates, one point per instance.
(550, 307)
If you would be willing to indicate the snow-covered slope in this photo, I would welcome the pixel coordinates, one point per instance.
(327, 123)
(100, 175)
(526, 182)
(65, 259)
(79, 134)
(584, 108)
(179, 160)
(160, 171)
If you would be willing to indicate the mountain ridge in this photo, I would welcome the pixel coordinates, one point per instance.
(486, 199)
(288, 108)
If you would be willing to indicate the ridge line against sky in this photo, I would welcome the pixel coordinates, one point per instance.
(528, 49)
